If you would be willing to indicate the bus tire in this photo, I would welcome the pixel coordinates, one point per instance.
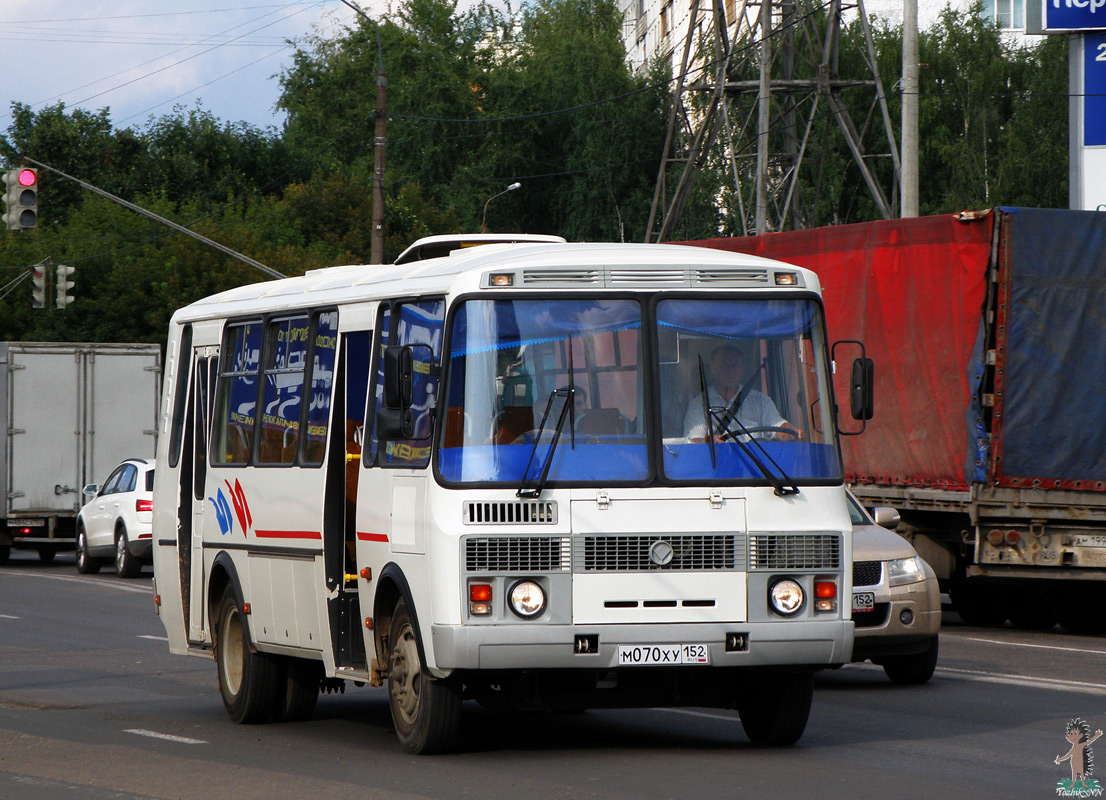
(297, 689)
(774, 708)
(86, 564)
(247, 680)
(426, 711)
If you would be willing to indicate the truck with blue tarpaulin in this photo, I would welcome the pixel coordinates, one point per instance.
(988, 332)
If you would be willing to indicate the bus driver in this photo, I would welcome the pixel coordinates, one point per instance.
(755, 409)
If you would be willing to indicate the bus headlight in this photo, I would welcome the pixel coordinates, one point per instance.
(527, 599)
(786, 597)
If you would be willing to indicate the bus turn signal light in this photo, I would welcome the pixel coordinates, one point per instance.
(480, 599)
(825, 595)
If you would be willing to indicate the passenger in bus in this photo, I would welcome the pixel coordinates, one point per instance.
(754, 410)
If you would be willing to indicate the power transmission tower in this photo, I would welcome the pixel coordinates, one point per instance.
(767, 107)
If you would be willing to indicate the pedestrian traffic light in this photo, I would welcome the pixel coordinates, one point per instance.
(21, 198)
(38, 287)
(64, 284)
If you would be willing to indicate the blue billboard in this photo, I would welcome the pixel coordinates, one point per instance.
(1073, 15)
(1094, 89)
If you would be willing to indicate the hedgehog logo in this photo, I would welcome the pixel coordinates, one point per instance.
(1081, 759)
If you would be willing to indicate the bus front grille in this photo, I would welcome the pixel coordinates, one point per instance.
(636, 553)
(794, 551)
(517, 554)
(510, 512)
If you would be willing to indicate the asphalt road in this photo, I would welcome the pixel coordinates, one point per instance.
(92, 706)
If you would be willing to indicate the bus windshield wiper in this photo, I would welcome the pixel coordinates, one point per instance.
(707, 417)
(568, 410)
(782, 483)
(726, 415)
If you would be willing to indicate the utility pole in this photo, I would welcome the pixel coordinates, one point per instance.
(376, 238)
(910, 108)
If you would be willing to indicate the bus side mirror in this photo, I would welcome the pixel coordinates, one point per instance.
(407, 369)
(398, 376)
(862, 389)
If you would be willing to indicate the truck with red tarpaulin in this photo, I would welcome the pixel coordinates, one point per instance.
(988, 332)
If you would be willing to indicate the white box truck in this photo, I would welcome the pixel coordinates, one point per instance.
(71, 411)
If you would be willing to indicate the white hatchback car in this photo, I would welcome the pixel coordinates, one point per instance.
(116, 520)
(896, 601)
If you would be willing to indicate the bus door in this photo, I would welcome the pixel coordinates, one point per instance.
(204, 367)
(343, 469)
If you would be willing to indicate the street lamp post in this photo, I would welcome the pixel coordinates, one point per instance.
(484, 219)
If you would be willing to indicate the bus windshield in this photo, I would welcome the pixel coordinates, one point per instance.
(517, 366)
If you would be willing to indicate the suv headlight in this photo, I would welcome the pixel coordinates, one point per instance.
(901, 571)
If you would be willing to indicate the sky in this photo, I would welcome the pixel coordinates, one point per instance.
(141, 58)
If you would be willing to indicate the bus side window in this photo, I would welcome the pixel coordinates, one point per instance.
(321, 386)
(416, 322)
(237, 400)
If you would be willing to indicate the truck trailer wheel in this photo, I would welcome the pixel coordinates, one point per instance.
(247, 680)
(5, 553)
(86, 564)
(774, 708)
(1081, 609)
(979, 604)
(426, 711)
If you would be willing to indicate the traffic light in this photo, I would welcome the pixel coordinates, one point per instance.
(64, 284)
(38, 287)
(21, 198)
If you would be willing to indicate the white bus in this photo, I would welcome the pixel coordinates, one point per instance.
(502, 473)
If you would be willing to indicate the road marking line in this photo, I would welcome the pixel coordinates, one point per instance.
(105, 583)
(8, 616)
(1024, 680)
(155, 638)
(1026, 644)
(167, 737)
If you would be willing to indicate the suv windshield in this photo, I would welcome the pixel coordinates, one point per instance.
(513, 362)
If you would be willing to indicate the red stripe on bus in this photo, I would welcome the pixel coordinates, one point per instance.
(288, 534)
(372, 537)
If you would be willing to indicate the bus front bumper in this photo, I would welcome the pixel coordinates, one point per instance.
(751, 644)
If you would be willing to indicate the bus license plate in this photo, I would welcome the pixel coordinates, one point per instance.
(864, 601)
(651, 655)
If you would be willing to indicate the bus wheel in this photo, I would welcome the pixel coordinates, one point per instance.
(247, 681)
(297, 689)
(426, 711)
(86, 564)
(774, 708)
